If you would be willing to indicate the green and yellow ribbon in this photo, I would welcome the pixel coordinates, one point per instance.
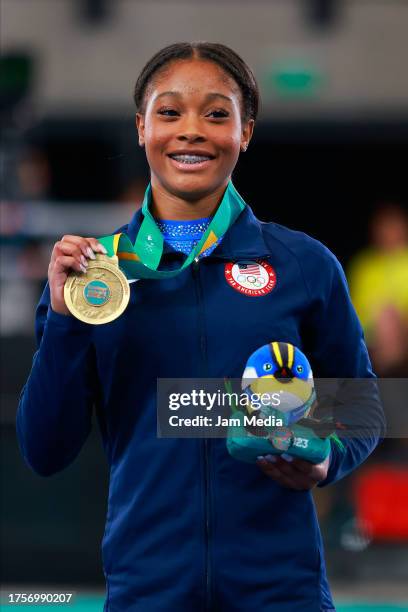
(141, 259)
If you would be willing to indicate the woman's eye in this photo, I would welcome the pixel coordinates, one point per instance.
(170, 112)
(164, 111)
(221, 114)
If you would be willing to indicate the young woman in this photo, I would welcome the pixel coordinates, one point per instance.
(188, 527)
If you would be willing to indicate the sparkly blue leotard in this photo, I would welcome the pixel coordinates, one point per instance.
(184, 235)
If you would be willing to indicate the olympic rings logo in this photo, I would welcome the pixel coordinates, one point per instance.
(253, 280)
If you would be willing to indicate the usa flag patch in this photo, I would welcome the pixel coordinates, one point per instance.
(253, 278)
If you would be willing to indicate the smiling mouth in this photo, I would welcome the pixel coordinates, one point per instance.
(190, 162)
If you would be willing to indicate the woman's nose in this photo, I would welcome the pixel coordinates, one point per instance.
(190, 129)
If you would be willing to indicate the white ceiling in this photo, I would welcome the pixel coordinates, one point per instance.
(92, 69)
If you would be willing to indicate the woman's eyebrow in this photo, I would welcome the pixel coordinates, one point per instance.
(210, 96)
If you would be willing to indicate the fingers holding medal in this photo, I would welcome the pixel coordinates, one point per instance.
(69, 254)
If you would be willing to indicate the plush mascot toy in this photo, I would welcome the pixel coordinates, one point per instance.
(277, 417)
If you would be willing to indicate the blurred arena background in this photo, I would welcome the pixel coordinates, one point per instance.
(329, 157)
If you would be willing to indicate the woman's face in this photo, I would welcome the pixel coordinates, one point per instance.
(192, 108)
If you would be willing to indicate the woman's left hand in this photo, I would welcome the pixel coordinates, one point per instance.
(297, 474)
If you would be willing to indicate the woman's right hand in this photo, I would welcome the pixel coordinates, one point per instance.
(69, 253)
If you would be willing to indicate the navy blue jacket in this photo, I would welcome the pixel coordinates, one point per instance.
(188, 527)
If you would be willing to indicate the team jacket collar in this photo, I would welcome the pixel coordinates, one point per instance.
(244, 239)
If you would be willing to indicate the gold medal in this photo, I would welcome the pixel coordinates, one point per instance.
(101, 294)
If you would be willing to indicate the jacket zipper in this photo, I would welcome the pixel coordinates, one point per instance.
(205, 441)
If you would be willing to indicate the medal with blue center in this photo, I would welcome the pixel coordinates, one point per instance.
(102, 293)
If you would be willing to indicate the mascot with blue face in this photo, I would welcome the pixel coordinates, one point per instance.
(277, 416)
(279, 369)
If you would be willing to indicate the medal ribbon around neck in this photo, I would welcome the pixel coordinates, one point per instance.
(142, 259)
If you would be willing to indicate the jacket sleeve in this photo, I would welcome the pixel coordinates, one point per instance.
(335, 345)
(54, 414)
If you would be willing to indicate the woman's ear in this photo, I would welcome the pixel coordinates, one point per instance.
(140, 128)
(247, 132)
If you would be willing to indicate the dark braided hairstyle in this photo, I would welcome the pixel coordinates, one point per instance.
(222, 55)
